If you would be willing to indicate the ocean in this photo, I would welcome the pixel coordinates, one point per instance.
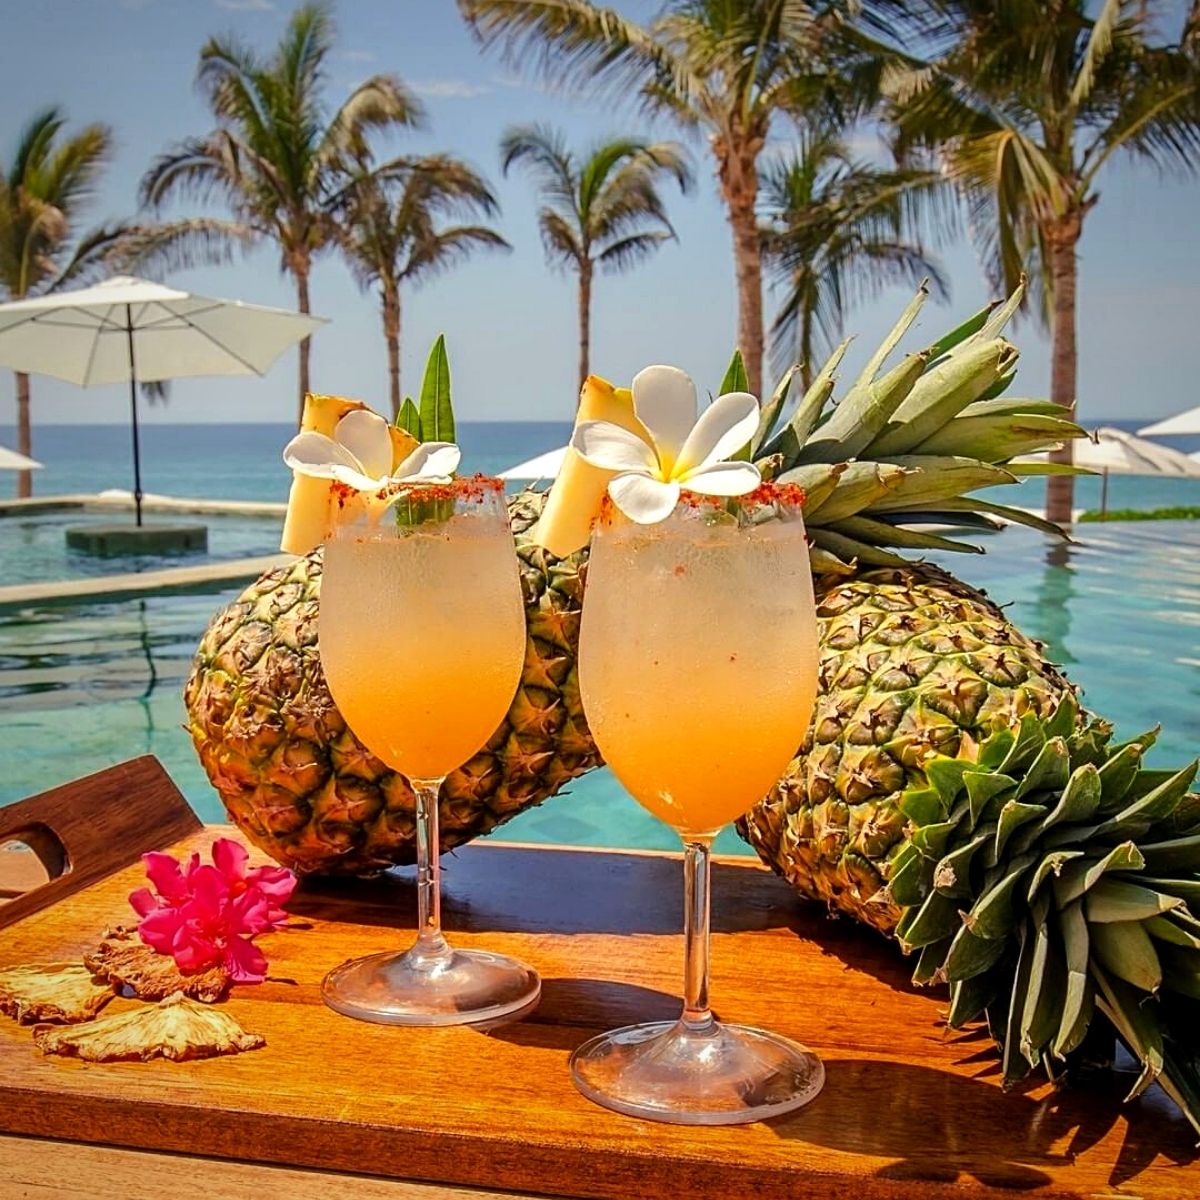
(242, 462)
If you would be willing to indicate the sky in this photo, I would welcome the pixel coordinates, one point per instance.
(510, 321)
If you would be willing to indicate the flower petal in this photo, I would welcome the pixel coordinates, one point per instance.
(245, 961)
(664, 399)
(723, 479)
(144, 902)
(430, 460)
(725, 426)
(165, 875)
(612, 448)
(365, 435)
(642, 499)
(230, 858)
(318, 456)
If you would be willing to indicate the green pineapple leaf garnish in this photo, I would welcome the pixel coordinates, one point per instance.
(409, 419)
(736, 380)
(437, 413)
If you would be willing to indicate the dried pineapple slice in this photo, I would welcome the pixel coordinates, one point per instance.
(59, 991)
(126, 961)
(176, 1028)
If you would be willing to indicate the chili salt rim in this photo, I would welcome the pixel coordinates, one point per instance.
(768, 494)
(467, 487)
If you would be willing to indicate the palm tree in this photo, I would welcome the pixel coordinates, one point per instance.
(600, 211)
(722, 67)
(277, 157)
(1026, 107)
(393, 235)
(836, 231)
(43, 190)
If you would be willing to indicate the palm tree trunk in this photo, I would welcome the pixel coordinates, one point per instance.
(737, 169)
(24, 435)
(391, 333)
(301, 269)
(1063, 238)
(585, 322)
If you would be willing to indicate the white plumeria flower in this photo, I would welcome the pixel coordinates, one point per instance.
(683, 451)
(360, 455)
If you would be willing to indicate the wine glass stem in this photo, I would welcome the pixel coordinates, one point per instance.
(697, 1016)
(430, 942)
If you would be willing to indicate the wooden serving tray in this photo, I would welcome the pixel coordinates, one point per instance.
(908, 1110)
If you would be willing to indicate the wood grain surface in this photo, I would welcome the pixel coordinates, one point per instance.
(48, 1169)
(908, 1110)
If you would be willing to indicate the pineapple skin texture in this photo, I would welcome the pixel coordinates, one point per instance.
(913, 662)
(299, 784)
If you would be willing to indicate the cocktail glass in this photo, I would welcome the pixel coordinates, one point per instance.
(422, 637)
(698, 671)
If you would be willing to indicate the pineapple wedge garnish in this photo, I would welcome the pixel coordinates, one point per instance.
(573, 503)
(309, 511)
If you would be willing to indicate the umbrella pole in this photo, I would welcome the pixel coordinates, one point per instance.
(137, 454)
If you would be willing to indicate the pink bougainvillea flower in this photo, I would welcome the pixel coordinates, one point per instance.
(202, 914)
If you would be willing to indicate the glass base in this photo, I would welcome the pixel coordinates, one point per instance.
(721, 1075)
(442, 986)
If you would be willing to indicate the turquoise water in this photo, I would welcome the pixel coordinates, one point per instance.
(85, 686)
(34, 548)
(229, 462)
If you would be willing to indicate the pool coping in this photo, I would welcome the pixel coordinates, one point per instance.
(142, 583)
(151, 502)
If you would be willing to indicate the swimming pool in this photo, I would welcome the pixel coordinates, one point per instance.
(33, 548)
(84, 686)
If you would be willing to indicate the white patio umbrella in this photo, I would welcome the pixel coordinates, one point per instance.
(10, 460)
(544, 466)
(131, 330)
(1112, 451)
(1181, 423)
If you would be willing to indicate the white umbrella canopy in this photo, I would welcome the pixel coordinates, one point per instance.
(1181, 423)
(130, 330)
(82, 336)
(1119, 453)
(10, 460)
(1111, 451)
(544, 466)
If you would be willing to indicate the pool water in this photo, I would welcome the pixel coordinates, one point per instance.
(84, 686)
(34, 549)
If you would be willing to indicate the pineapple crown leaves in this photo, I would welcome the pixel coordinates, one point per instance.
(1053, 877)
(906, 446)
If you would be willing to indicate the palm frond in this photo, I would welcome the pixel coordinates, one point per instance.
(627, 252)
(543, 151)
(560, 240)
(566, 40)
(379, 103)
(159, 249)
(1098, 45)
(448, 247)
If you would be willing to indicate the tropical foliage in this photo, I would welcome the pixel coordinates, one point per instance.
(1026, 106)
(837, 230)
(601, 210)
(278, 158)
(396, 228)
(44, 190)
(717, 67)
